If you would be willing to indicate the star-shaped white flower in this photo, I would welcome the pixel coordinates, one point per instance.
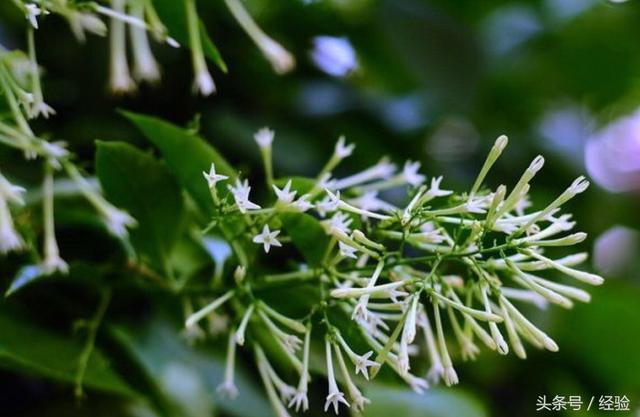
(343, 150)
(411, 174)
(267, 238)
(264, 137)
(347, 251)
(435, 189)
(285, 195)
(212, 177)
(300, 400)
(362, 364)
(241, 196)
(338, 223)
(303, 204)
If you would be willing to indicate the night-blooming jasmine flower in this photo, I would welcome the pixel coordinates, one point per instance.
(240, 194)
(263, 369)
(32, 11)
(303, 204)
(145, 65)
(267, 238)
(120, 79)
(300, 399)
(281, 60)
(449, 374)
(228, 387)
(285, 195)
(264, 137)
(435, 190)
(10, 240)
(411, 174)
(118, 221)
(203, 82)
(212, 177)
(369, 201)
(347, 251)
(357, 399)
(239, 335)
(382, 170)
(342, 150)
(335, 396)
(361, 362)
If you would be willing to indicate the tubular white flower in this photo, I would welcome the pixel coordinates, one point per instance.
(52, 261)
(522, 186)
(281, 60)
(360, 311)
(361, 362)
(520, 319)
(264, 137)
(335, 199)
(514, 340)
(468, 349)
(276, 403)
(493, 156)
(145, 66)
(583, 276)
(335, 396)
(205, 311)
(342, 150)
(300, 399)
(291, 343)
(120, 79)
(242, 328)
(292, 324)
(449, 374)
(203, 82)
(357, 399)
(382, 170)
(501, 345)
(267, 238)
(228, 387)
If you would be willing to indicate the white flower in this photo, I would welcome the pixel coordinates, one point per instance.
(81, 21)
(281, 60)
(303, 204)
(203, 83)
(267, 238)
(118, 221)
(326, 205)
(347, 251)
(285, 195)
(333, 55)
(54, 263)
(477, 205)
(450, 376)
(11, 192)
(434, 189)
(362, 364)
(339, 223)
(40, 108)
(418, 385)
(342, 150)
(212, 177)
(326, 182)
(55, 150)
(335, 396)
(227, 388)
(300, 400)
(9, 238)
(32, 11)
(120, 80)
(411, 174)
(241, 196)
(264, 137)
(369, 201)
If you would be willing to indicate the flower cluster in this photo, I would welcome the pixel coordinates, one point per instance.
(140, 19)
(404, 274)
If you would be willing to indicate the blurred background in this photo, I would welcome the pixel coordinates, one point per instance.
(435, 81)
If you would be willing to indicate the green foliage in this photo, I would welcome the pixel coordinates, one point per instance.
(145, 188)
(187, 156)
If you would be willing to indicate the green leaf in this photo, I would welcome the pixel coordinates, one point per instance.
(28, 348)
(188, 376)
(307, 235)
(138, 183)
(173, 15)
(435, 402)
(187, 155)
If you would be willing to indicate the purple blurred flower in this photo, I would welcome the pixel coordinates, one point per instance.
(612, 156)
(333, 55)
(615, 250)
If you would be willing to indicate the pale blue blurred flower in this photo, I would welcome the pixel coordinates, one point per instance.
(334, 55)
